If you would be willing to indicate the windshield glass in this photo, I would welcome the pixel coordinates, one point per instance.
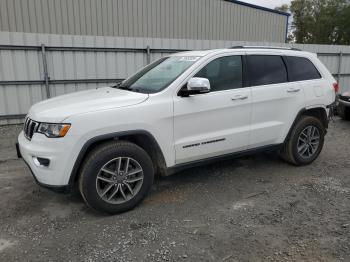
(158, 75)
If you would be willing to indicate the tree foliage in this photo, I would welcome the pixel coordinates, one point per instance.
(321, 21)
(282, 8)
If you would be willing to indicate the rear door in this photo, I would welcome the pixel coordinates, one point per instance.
(275, 101)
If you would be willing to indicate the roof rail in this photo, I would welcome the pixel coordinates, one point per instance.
(265, 47)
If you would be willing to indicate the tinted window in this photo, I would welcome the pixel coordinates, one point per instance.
(223, 73)
(266, 70)
(300, 68)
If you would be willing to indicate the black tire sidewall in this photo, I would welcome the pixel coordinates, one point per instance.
(300, 126)
(98, 160)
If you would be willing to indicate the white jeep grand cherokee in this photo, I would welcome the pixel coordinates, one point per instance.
(181, 110)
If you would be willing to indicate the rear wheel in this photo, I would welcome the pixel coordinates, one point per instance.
(116, 177)
(305, 141)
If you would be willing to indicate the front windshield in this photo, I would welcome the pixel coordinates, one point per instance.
(158, 75)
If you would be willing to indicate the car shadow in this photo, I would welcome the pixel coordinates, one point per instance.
(205, 175)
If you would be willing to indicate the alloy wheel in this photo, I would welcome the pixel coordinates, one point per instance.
(308, 141)
(119, 180)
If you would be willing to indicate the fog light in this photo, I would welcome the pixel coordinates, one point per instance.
(40, 161)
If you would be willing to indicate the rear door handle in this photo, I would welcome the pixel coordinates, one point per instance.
(239, 97)
(293, 90)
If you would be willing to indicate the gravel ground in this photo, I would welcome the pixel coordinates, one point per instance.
(250, 209)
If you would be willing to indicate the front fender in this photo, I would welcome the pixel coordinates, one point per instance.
(88, 145)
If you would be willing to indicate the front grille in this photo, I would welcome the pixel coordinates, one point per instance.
(29, 128)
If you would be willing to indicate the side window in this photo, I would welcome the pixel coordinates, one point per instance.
(266, 70)
(300, 68)
(223, 73)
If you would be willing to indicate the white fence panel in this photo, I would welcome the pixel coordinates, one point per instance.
(71, 67)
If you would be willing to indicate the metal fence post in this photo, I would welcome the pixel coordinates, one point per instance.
(339, 66)
(148, 50)
(46, 74)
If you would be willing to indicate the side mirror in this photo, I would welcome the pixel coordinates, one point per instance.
(196, 85)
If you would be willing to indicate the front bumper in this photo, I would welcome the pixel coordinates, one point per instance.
(18, 151)
(59, 189)
(58, 151)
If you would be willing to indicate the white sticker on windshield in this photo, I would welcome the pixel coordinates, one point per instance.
(189, 58)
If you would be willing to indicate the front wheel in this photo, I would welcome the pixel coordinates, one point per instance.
(116, 177)
(305, 141)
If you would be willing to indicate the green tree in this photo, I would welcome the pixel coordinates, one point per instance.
(321, 21)
(344, 27)
(283, 8)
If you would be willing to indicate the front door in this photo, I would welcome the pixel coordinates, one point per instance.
(215, 123)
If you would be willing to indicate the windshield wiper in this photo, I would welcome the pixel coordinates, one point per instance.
(128, 88)
(121, 85)
(118, 84)
(125, 87)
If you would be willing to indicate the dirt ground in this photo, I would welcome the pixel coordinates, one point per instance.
(255, 208)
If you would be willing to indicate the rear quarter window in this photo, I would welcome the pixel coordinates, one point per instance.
(300, 69)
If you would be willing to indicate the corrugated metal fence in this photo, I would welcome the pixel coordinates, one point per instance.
(34, 67)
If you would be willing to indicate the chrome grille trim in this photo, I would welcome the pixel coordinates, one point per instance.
(30, 127)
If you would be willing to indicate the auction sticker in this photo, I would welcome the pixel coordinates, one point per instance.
(190, 58)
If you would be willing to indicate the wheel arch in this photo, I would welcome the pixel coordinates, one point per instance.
(142, 138)
(319, 112)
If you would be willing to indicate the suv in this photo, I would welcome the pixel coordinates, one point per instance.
(181, 110)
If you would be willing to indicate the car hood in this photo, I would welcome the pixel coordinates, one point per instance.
(55, 110)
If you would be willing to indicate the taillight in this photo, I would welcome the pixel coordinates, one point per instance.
(336, 87)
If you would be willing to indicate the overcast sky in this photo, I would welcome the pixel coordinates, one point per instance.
(268, 3)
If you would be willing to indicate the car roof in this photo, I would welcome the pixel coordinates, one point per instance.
(196, 53)
(255, 50)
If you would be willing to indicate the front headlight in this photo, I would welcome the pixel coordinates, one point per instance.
(53, 130)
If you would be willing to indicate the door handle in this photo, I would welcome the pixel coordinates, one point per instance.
(239, 97)
(293, 90)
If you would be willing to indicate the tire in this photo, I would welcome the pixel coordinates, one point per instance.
(290, 152)
(112, 156)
